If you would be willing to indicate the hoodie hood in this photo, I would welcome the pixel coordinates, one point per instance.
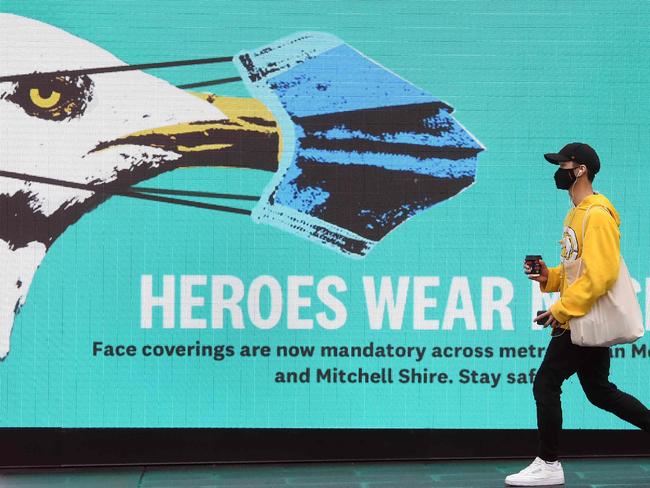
(602, 200)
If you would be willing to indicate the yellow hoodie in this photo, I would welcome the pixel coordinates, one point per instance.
(600, 255)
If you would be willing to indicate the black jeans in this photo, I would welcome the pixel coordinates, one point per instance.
(562, 359)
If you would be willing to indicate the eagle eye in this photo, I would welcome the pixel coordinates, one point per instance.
(58, 97)
(44, 101)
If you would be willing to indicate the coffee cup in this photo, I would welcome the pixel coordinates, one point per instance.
(534, 265)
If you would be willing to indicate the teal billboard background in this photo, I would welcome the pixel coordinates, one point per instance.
(524, 79)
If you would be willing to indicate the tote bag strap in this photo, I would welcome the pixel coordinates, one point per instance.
(584, 228)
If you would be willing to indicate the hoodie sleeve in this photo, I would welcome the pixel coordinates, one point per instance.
(554, 280)
(601, 260)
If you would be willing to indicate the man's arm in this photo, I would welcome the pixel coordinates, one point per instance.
(601, 259)
(552, 281)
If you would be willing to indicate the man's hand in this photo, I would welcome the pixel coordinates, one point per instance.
(547, 319)
(543, 275)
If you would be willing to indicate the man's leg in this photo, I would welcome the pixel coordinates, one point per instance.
(594, 378)
(560, 362)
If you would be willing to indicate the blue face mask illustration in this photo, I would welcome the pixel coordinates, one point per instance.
(364, 150)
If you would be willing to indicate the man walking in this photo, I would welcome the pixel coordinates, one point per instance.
(600, 254)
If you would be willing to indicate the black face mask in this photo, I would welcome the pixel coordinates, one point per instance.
(564, 178)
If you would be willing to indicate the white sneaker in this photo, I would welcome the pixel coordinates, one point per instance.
(539, 473)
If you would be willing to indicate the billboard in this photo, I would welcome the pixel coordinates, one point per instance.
(256, 215)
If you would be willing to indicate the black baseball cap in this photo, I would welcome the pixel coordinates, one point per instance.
(580, 153)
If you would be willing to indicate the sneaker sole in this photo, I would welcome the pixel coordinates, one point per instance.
(536, 483)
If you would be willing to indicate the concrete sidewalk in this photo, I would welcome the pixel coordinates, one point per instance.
(579, 473)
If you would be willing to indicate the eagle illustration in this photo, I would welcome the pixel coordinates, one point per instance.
(353, 149)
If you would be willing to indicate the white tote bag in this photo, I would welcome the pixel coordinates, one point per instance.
(615, 318)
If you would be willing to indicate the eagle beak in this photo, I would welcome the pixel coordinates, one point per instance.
(248, 137)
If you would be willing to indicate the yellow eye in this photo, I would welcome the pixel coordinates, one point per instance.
(59, 97)
(44, 102)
